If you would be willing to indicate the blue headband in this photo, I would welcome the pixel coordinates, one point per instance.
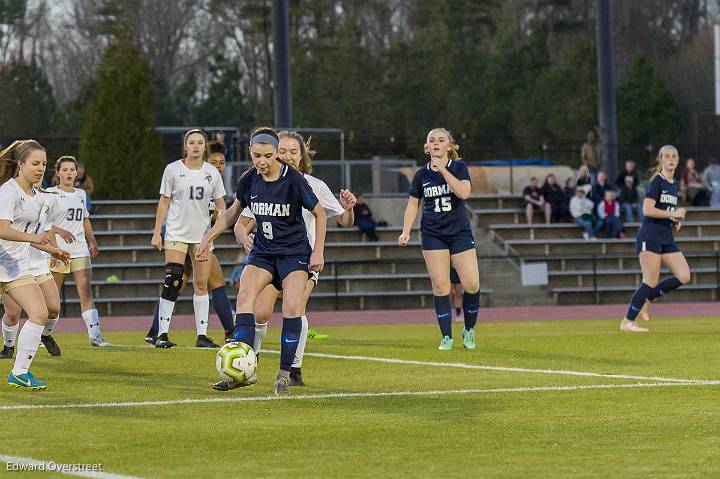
(265, 139)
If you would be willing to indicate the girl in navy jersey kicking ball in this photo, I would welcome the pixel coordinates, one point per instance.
(443, 184)
(655, 244)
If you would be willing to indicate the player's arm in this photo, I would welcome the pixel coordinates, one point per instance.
(411, 211)
(67, 236)
(243, 229)
(226, 219)
(317, 261)
(347, 201)
(10, 234)
(220, 207)
(162, 210)
(461, 188)
(90, 238)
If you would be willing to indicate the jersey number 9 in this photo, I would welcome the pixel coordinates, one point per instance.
(267, 229)
(442, 204)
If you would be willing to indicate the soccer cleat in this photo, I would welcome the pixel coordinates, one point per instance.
(205, 342)
(7, 352)
(50, 344)
(469, 338)
(313, 334)
(296, 378)
(630, 326)
(644, 314)
(229, 336)
(150, 339)
(282, 386)
(99, 342)
(164, 342)
(446, 344)
(27, 381)
(230, 385)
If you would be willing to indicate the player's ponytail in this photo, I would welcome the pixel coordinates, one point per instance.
(58, 165)
(13, 155)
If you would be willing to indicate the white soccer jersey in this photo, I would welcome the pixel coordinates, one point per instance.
(49, 208)
(69, 214)
(188, 217)
(327, 200)
(23, 211)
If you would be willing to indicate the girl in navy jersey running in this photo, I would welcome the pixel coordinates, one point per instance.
(447, 239)
(654, 243)
(280, 253)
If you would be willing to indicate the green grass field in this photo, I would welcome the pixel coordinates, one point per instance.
(448, 419)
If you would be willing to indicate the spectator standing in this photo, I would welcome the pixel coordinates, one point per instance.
(711, 178)
(581, 209)
(629, 171)
(591, 153)
(554, 197)
(364, 219)
(534, 199)
(629, 198)
(692, 185)
(608, 211)
(85, 183)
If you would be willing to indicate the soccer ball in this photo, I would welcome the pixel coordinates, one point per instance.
(236, 362)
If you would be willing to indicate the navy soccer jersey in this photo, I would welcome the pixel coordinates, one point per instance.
(664, 192)
(443, 212)
(277, 206)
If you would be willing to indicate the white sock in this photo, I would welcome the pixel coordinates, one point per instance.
(300, 352)
(50, 325)
(9, 334)
(201, 305)
(165, 312)
(27, 345)
(260, 332)
(92, 321)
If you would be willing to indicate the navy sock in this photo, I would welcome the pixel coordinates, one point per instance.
(444, 314)
(156, 322)
(245, 328)
(471, 305)
(664, 287)
(291, 330)
(638, 301)
(222, 307)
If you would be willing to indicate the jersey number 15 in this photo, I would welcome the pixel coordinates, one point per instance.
(442, 204)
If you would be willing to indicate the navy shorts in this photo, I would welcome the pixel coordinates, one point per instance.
(456, 244)
(454, 278)
(280, 266)
(655, 247)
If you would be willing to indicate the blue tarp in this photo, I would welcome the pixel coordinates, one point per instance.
(515, 162)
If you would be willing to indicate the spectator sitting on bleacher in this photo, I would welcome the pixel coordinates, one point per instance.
(364, 219)
(608, 211)
(555, 197)
(581, 209)
(534, 199)
(600, 187)
(583, 177)
(629, 198)
(569, 191)
(691, 184)
(629, 171)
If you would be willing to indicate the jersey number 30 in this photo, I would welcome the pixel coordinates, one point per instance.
(443, 205)
(75, 214)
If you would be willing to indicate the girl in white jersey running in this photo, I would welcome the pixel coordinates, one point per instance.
(23, 164)
(297, 153)
(40, 269)
(188, 185)
(73, 216)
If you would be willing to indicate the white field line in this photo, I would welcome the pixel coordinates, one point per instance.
(33, 465)
(483, 367)
(341, 395)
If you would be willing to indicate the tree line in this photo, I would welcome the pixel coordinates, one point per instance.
(510, 78)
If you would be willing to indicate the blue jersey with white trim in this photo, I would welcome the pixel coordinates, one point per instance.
(277, 206)
(443, 212)
(665, 194)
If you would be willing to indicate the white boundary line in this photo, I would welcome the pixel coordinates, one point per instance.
(33, 465)
(352, 395)
(483, 367)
